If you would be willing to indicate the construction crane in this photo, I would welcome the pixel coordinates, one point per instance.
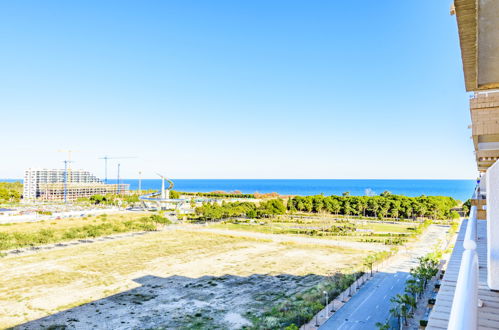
(67, 163)
(140, 182)
(105, 164)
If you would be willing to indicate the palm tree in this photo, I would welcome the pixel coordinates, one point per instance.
(404, 305)
(395, 312)
(410, 303)
(369, 262)
(414, 287)
(383, 326)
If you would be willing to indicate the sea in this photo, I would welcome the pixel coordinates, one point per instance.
(458, 189)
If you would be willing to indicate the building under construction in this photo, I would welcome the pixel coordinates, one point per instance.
(65, 185)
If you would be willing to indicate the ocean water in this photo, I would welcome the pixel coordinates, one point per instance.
(458, 189)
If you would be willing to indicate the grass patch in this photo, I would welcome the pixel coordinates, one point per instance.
(383, 233)
(301, 307)
(39, 233)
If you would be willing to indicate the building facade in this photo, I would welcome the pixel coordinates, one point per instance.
(468, 297)
(61, 185)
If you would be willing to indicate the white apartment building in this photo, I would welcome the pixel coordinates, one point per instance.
(52, 184)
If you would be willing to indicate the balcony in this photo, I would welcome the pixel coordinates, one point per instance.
(488, 314)
(484, 109)
(469, 294)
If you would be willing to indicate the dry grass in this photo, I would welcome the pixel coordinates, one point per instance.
(67, 223)
(41, 284)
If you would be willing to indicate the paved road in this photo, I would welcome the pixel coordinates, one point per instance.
(371, 303)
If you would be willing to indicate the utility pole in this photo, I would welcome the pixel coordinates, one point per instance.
(118, 181)
(140, 183)
(65, 181)
(105, 170)
(163, 194)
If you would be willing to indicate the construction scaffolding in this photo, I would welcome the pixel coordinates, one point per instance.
(56, 191)
(62, 185)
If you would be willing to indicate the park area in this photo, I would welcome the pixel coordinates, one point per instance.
(178, 276)
(330, 227)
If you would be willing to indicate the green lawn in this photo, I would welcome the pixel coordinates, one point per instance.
(370, 232)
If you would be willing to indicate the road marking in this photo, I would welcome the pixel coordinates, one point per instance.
(368, 318)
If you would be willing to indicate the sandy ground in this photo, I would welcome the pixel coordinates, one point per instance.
(172, 279)
(302, 240)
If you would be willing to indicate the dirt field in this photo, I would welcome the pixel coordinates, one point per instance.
(67, 223)
(171, 279)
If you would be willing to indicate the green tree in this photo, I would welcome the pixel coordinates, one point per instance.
(174, 194)
(272, 207)
(383, 326)
(403, 306)
(467, 207)
(369, 262)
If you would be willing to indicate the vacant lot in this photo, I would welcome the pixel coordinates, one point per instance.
(67, 223)
(176, 279)
(21, 235)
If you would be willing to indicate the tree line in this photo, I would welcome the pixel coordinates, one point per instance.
(10, 191)
(382, 206)
(385, 205)
(215, 211)
(233, 194)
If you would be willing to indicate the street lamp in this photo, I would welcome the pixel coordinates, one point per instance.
(327, 303)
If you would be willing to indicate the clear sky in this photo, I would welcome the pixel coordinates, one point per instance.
(235, 89)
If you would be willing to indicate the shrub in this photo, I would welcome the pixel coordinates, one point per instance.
(301, 308)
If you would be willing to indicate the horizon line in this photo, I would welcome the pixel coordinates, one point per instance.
(393, 179)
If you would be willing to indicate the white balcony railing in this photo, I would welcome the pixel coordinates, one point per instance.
(464, 312)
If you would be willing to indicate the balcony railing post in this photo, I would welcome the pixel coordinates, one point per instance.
(464, 312)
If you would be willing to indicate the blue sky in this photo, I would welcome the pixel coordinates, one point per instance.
(235, 89)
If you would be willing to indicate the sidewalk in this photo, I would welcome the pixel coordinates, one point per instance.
(372, 304)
